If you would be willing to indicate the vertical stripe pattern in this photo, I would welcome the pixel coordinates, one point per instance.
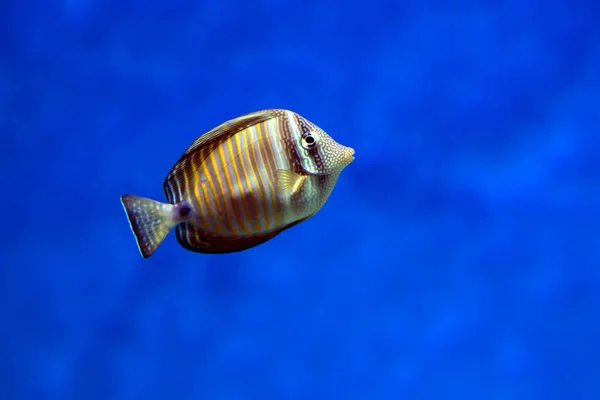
(224, 194)
(234, 188)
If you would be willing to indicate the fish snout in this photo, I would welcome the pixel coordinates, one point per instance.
(349, 155)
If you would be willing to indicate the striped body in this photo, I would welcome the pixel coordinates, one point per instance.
(233, 191)
(241, 184)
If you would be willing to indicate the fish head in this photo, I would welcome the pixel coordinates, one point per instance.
(319, 154)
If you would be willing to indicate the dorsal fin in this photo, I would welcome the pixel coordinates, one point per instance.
(205, 144)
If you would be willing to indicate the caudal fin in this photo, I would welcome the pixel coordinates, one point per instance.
(151, 221)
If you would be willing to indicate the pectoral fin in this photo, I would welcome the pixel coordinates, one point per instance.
(289, 183)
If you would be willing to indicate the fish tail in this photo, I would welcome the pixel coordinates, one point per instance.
(151, 221)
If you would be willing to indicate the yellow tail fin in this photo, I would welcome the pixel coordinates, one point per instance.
(151, 221)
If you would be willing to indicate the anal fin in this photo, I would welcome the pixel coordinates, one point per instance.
(199, 241)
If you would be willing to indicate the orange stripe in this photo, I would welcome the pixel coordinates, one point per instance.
(194, 189)
(271, 161)
(203, 200)
(240, 201)
(209, 214)
(229, 201)
(265, 162)
(258, 182)
(246, 167)
(226, 212)
(243, 192)
(214, 199)
(193, 186)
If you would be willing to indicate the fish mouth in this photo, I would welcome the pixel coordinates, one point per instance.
(349, 154)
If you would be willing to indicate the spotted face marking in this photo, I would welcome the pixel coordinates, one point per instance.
(317, 152)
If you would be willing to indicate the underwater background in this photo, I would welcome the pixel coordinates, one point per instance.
(457, 258)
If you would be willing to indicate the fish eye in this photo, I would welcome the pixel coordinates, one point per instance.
(308, 141)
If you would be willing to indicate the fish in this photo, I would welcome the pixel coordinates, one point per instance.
(241, 184)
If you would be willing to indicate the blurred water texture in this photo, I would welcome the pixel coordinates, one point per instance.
(458, 257)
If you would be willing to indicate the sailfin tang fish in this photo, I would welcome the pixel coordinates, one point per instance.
(241, 184)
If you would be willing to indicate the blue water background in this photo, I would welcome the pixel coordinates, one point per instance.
(458, 257)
